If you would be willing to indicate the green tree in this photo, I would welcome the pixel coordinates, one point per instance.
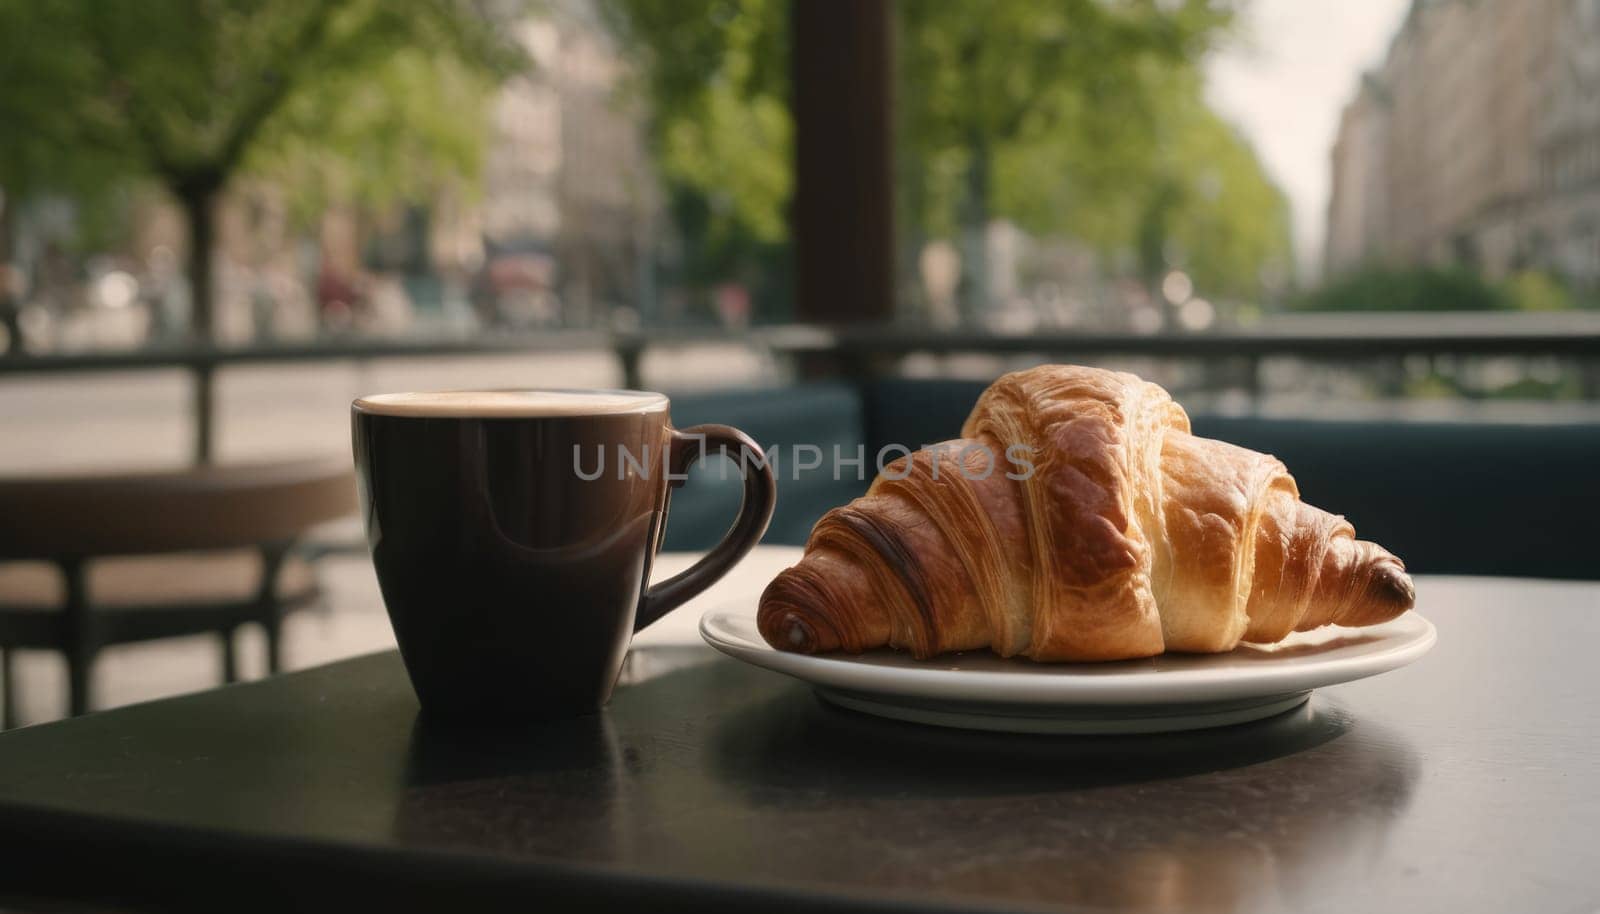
(1406, 289)
(372, 97)
(714, 76)
(1072, 117)
(37, 150)
(1535, 290)
(1014, 101)
(1440, 288)
(1181, 185)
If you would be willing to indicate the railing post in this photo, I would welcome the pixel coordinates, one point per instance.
(630, 353)
(203, 407)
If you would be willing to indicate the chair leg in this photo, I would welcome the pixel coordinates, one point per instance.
(274, 630)
(8, 681)
(81, 642)
(273, 555)
(230, 657)
(80, 663)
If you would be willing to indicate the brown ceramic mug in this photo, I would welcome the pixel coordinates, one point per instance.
(513, 533)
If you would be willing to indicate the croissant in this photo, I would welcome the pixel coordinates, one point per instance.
(1077, 518)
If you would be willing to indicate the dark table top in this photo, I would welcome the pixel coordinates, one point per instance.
(1467, 782)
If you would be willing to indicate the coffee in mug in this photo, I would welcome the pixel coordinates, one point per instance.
(513, 530)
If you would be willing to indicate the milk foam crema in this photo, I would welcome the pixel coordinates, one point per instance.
(512, 404)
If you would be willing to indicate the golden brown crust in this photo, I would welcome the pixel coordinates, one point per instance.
(1091, 598)
(1130, 536)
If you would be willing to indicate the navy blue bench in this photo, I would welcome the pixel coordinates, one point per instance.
(778, 419)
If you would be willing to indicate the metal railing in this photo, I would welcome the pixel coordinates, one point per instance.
(863, 351)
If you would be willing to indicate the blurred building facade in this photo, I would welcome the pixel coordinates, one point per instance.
(570, 199)
(1476, 142)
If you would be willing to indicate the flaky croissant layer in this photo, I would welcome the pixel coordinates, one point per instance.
(1116, 533)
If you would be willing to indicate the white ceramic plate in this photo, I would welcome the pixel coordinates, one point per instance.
(979, 690)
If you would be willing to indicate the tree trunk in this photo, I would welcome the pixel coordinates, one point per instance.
(975, 232)
(1153, 233)
(912, 237)
(8, 218)
(9, 317)
(199, 211)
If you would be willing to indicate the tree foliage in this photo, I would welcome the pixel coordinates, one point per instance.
(1085, 119)
(367, 97)
(1428, 288)
(1182, 189)
(1405, 289)
(714, 76)
(1080, 80)
(1073, 117)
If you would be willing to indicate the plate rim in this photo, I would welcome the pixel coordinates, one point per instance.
(1138, 687)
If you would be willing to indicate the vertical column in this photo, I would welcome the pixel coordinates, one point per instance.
(843, 67)
(203, 410)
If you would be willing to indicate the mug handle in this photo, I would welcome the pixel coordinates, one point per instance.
(755, 510)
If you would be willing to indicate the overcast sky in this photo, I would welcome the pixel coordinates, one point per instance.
(1284, 81)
